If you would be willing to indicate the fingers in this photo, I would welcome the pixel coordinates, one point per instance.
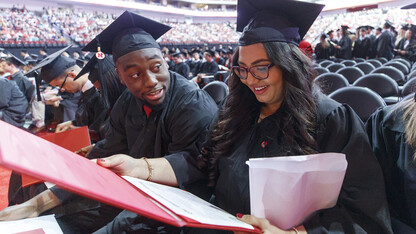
(259, 222)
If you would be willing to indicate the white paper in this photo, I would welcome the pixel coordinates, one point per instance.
(186, 204)
(47, 223)
(285, 190)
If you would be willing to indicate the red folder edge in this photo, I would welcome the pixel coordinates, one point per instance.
(140, 203)
(72, 140)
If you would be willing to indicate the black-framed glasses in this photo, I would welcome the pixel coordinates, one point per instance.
(63, 83)
(259, 72)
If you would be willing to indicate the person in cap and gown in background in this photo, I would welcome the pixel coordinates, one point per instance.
(401, 35)
(25, 55)
(372, 40)
(43, 53)
(391, 131)
(333, 42)
(228, 61)
(344, 46)
(195, 63)
(180, 67)
(385, 43)
(407, 46)
(274, 110)
(60, 71)
(110, 87)
(207, 68)
(11, 65)
(362, 48)
(13, 103)
(218, 58)
(323, 48)
(161, 116)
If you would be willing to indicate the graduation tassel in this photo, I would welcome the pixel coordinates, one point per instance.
(103, 86)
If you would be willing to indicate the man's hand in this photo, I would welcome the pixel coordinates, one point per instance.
(64, 126)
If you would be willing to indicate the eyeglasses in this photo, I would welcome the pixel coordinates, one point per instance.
(63, 83)
(259, 72)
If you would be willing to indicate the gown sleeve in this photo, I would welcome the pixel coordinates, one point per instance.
(188, 135)
(361, 205)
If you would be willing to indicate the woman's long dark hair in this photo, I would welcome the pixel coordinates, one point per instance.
(296, 121)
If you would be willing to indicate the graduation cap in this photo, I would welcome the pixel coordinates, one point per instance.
(177, 54)
(80, 62)
(31, 62)
(388, 24)
(14, 60)
(329, 32)
(210, 52)
(129, 32)
(54, 65)
(34, 56)
(369, 27)
(405, 27)
(411, 6)
(92, 68)
(270, 20)
(345, 27)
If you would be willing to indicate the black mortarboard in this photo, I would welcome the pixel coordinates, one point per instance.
(329, 32)
(34, 56)
(15, 60)
(411, 6)
(176, 55)
(323, 35)
(369, 27)
(405, 27)
(80, 62)
(271, 20)
(345, 27)
(53, 65)
(388, 24)
(129, 32)
(230, 51)
(210, 52)
(31, 61)
(92, 68)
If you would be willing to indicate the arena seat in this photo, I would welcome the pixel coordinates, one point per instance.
(385, 86)
(351, 73)
(326, 63)
(382, 60)
(335, 67)
(365, 67)
(329, 82)
(404, 61)
(409, 87)
(218, 90)
(321, 70)
(403, 68)
(392, 72)
(363, 101)
(348, 63)
(359, 60)
(411, 75)
(375, 63)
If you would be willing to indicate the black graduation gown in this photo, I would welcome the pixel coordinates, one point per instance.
(176, 130)
(91, 111)
(321, 52)
(345, 52)
(386, 131)
(385, 45)
(208, 68)
(24, 84)
(361, 205)
(13, 103)
(362, 48)
(182, 69)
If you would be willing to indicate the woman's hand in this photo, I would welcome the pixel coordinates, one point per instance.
(64, 126)
(266, 226)
(125, 165)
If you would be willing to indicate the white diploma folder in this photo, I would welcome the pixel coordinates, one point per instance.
(286, 190)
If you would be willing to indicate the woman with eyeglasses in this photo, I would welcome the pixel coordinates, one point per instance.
(273, 110)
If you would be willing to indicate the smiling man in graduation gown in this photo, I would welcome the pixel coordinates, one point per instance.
(161, 116)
